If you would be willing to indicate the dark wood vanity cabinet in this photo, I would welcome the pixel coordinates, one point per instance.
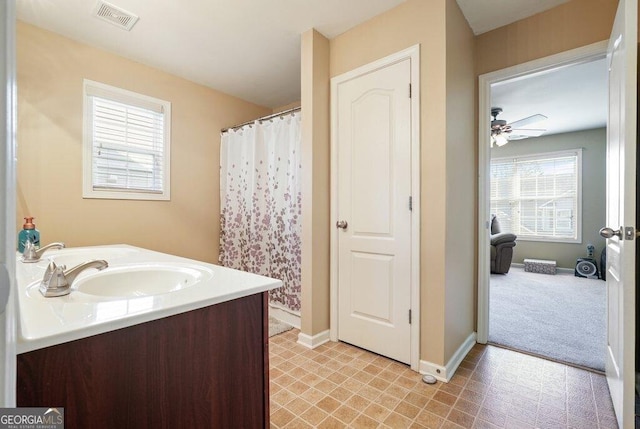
(206, 368)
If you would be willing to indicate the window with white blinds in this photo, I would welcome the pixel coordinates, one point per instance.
(538, 197)
(126, 144)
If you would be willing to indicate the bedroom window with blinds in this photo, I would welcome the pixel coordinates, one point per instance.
(538, 197)
(126, 144)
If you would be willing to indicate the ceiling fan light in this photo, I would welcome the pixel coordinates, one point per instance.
(500, 140)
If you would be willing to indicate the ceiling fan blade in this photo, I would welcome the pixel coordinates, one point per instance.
(517, 137)
(528, 120)
(528, 132)
(524, 134)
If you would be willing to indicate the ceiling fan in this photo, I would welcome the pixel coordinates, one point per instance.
(502, 133)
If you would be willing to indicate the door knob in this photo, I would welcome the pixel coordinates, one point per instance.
(341, 224)
(609, 233)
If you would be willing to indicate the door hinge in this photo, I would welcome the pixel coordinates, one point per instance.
(409, 90)
(410, 203)
(409, 317)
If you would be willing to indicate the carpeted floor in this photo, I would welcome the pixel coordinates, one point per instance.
(558, 316)
(277, 327)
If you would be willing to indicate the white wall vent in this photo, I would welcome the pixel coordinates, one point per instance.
(115, 15)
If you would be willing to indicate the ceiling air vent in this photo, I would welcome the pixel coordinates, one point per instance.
(115, 15)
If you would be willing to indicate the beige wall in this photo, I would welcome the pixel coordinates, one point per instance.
(461, 225)
(593, 143)
(51, 69)
(287, 107)
(444, 77)
(571, 25)
(315, 183)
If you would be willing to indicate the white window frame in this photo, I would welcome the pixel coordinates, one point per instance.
(555, 154)
(92, 88)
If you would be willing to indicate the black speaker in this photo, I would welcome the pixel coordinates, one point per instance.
(586, 267)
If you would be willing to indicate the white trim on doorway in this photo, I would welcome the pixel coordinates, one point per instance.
(412, 53)
(542, 65)
(445, 373)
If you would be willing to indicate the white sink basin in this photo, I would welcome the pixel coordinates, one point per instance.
(130, 281)
(141, 280)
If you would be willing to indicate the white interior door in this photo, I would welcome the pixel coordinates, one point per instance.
(374, 213)
(621, 212)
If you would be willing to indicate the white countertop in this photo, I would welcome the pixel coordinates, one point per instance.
(44, 322)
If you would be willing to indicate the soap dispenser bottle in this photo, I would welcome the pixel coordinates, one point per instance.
(29, 232)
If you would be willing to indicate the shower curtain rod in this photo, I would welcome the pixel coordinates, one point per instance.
(264, 118)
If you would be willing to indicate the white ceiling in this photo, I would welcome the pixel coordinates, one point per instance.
(246, 48)
(487, 15)
(573, 98)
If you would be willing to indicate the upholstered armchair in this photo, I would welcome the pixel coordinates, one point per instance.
(502, 244)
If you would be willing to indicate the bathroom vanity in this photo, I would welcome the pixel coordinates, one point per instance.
(195, 355)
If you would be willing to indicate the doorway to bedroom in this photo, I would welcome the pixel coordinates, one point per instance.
(547, 175)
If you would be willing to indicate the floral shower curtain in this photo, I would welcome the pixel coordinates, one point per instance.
(260, 200)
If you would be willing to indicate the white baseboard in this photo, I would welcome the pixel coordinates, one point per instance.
(285, 316)
(444, 373)
(313, 341)
(439, 372)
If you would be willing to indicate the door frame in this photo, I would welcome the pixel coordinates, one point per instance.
(564, 59)
(412, 53)
(8, 115)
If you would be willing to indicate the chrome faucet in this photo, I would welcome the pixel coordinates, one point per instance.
(57, 281)
(31, 254)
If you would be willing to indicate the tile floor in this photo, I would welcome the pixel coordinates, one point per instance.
(338, 386)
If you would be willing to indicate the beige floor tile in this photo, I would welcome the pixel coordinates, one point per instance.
(331, 423)
(282, 417)
(299, 424)
(314, 416)
(313, 395)
(406, 409)
(428, 419)
(397, 421)
(298, 406)
(358, 402)
(345, 414)
(388, 401)
(340, 386)
(377, 412)
(460, 418)
(328, 404)
(416, 399)
(340, 394)
(364, 422)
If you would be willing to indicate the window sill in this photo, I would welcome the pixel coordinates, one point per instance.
(550, 240)
(126, 195)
